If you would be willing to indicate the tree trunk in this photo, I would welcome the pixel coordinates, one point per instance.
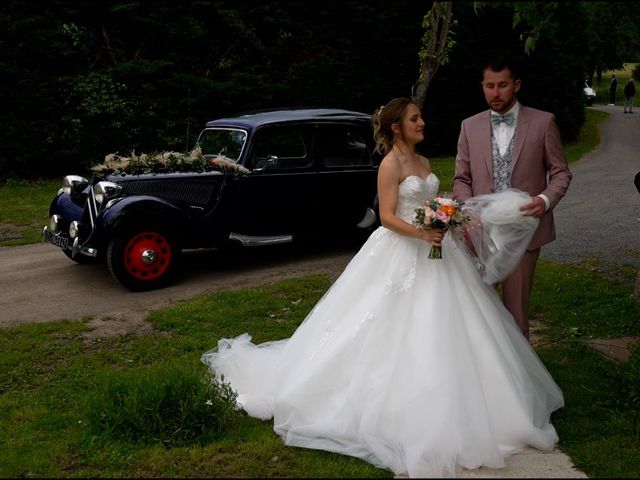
(437, 43)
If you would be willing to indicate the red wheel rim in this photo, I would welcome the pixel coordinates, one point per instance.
(147, 256)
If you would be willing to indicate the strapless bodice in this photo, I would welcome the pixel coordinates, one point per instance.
(413, 191)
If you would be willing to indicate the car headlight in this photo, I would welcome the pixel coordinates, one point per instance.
(71, 181)
(74, 229)
(54, 223)
(105, 190)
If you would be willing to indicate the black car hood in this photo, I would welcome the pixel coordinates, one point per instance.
(185, 188)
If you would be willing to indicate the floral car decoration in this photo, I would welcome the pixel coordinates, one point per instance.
(167, 162)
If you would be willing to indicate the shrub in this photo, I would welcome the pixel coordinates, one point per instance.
(166, 403)
(16, 183)
(635, 73)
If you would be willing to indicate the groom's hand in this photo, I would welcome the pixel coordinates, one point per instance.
(535, 208)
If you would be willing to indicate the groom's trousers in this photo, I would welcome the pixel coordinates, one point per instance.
(516, 289)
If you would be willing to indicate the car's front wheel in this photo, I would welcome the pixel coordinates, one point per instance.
(143, 258)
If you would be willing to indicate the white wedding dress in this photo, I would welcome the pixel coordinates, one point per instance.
(411, 364)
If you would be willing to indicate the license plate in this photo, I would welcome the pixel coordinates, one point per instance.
(57, 240)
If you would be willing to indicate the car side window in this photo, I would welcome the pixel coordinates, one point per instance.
(280, 147)
(341, 146)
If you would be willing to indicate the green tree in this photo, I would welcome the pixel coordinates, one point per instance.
(437, 44)
(128, 75)
(613, 36)
(38, 48)
(83, 79)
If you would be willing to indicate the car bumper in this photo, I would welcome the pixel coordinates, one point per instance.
(65, 243)
(55, 239)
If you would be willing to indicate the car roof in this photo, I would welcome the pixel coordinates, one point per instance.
(255, 119)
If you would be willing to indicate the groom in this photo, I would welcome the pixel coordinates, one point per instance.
(511, 145)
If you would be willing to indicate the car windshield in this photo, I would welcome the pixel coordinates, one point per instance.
(222, 141)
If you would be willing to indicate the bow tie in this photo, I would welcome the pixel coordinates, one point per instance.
(497, 119)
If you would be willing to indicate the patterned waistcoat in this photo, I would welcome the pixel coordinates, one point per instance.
(502, 164)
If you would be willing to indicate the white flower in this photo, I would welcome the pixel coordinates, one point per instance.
(226, 163)
(161, 159)
(445, 201)
(196, 153)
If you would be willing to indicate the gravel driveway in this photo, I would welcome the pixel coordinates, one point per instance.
(599, 218)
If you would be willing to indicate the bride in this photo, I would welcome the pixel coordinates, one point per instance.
(411, 364)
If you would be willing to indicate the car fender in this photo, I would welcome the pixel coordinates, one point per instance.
(63, 205)
(140, 209)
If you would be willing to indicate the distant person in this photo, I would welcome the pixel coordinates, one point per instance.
(613, 86)
(629, 93)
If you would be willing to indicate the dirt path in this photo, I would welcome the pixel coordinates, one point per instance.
(39, 284)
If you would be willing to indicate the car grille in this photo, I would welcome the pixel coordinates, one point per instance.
(195, 193)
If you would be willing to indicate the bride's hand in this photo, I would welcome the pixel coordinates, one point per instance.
(432, 235)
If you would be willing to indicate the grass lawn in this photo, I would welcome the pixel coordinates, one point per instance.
(24, 210)
(57, 389)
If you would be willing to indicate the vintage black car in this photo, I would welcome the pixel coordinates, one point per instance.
(303, 173)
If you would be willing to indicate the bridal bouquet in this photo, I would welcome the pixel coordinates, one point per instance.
(442, 213)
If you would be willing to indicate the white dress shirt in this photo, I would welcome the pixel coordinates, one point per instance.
(503, 132)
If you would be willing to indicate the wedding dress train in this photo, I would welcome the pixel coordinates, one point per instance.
(411, 364)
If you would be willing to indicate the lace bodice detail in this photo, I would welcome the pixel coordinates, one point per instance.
(413, 190)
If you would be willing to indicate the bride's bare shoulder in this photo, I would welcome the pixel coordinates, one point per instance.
(390, 167)
(425, 162)
(390, 162)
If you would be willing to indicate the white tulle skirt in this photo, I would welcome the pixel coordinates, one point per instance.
(411, 364)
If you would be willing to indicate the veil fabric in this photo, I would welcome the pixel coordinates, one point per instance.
(498, 232)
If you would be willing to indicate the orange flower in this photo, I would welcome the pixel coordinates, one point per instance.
(449, 210)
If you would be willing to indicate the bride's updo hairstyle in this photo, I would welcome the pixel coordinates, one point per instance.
(383, 118)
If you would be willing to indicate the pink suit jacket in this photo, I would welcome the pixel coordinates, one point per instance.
(538, 163)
